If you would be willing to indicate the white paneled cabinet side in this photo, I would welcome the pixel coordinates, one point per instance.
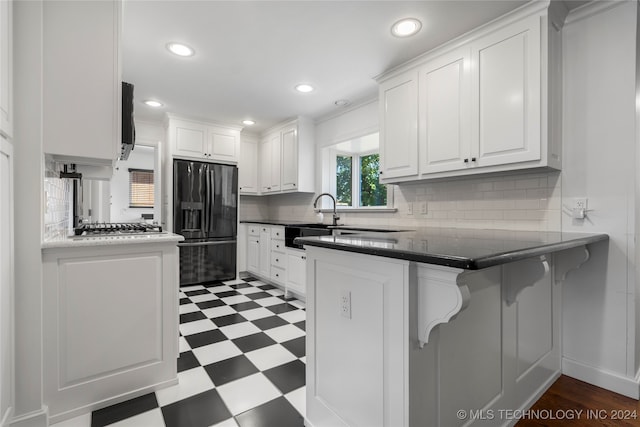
(6, 69)
(82, 81)
(484, 102)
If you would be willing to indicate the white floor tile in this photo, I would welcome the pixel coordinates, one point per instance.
(196, 326)
(304, 360)
(266, 302)
(203, 298)
(81, 421)
(298, 304)
(216, 352)
(247, 393)
(236, 299)
(150, 418)
(220, 288)
(226, 423)
(256, 313)
(276, 292)
(284, 333)
(183, 345)
(234, 282)
(294, 316)
(251, 290)
(240, 330)
(269, 357)
(185, 289)
(298, 398)
(223, 310)
(190, 383)
(188, 308)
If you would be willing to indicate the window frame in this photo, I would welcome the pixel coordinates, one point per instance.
(151, 172)
(356, 172)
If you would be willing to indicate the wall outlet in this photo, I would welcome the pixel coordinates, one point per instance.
(410, 208)
(579, 209)
(345, 304)
(423, 208)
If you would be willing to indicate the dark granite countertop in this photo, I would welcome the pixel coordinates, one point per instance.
(272, 222)
(460, 248)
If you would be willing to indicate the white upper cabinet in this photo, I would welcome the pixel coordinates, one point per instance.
(203, 141)
(479, 104)
(6, 69)
(399, 126)
(445, 101)
(248, 165)
(82, 81)
(506, 94)
(287, 154)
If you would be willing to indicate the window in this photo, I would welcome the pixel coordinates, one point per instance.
(141, 188)
(351, 172)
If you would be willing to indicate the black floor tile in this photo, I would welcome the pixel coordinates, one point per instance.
(230, 369)
(253, 342)
(209, 304)
(269, 322)
(266, 287)
(198, 292)
(278, 412)
(282, 308)
(201, 410)
(296, 346)
(249, 279)
(205, 338)
(186, 361)
(120, 411)
(249, 305)
(229, 319)
(302, 325)
(287, 377)
(190, 317)
(240, 286)
(185, 301)
(225, 294)
(259, 295)
(213, 284)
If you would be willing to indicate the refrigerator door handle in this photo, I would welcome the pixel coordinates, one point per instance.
(217, 242)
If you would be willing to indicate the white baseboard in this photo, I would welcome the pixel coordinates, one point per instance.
(32, 419)
(609, 380)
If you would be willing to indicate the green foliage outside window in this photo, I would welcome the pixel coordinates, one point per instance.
(372, 193)
(344, 170)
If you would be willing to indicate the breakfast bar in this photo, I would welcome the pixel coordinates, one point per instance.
(437, 327)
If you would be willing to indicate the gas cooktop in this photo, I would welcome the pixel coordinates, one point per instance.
(117, 228)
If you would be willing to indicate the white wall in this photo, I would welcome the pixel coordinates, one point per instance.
(140, 158)
(599, 317)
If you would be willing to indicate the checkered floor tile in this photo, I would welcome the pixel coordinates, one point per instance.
(242, 363)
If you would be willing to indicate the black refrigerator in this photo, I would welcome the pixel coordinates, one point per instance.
(205, 211)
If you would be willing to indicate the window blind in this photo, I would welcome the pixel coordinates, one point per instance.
(141, 188)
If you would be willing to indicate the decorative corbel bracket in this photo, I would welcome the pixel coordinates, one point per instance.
(569, 260)
(440, 298)
(522, 274)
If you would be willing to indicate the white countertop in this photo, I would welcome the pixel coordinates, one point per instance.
(132, 239)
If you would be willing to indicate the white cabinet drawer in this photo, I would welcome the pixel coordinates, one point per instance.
(253, 230)
(277, 233)
(278, 274)
(279, 259)
(277, 245)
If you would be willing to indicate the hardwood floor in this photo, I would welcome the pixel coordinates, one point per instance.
(570, 402)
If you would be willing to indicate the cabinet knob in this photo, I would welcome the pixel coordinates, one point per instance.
(294, 185)
(277, 275)
(304, 257)
(473, 159)
(466, 160)
(277, 260)
(277, 246)
(380, 173)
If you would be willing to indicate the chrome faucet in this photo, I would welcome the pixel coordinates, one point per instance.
(335, 213)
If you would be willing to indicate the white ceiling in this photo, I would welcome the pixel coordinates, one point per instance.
(251, 54)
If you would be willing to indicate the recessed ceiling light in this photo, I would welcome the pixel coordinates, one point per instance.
(342, 102)
(304, 88)
(180, 49)
(406, 27)
(248, 122)
(152, 103)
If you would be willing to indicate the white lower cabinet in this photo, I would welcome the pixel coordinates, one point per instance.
(110, 324)
(264, 260)
(395, 343)
(296, 271)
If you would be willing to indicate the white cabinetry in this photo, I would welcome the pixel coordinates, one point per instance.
(296, 271)
(278, 258)
(203, 141)
(110, 324)
(264, 264)
(6, 69)
(82, 81)
(253, 248)
(6, 278)
(248, 165)
(481, 104)
(287, 155)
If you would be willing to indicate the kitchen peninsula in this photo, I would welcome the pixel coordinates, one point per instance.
(437, 327)
(110, 310)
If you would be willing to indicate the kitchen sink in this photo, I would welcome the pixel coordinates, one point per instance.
(315, 229)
